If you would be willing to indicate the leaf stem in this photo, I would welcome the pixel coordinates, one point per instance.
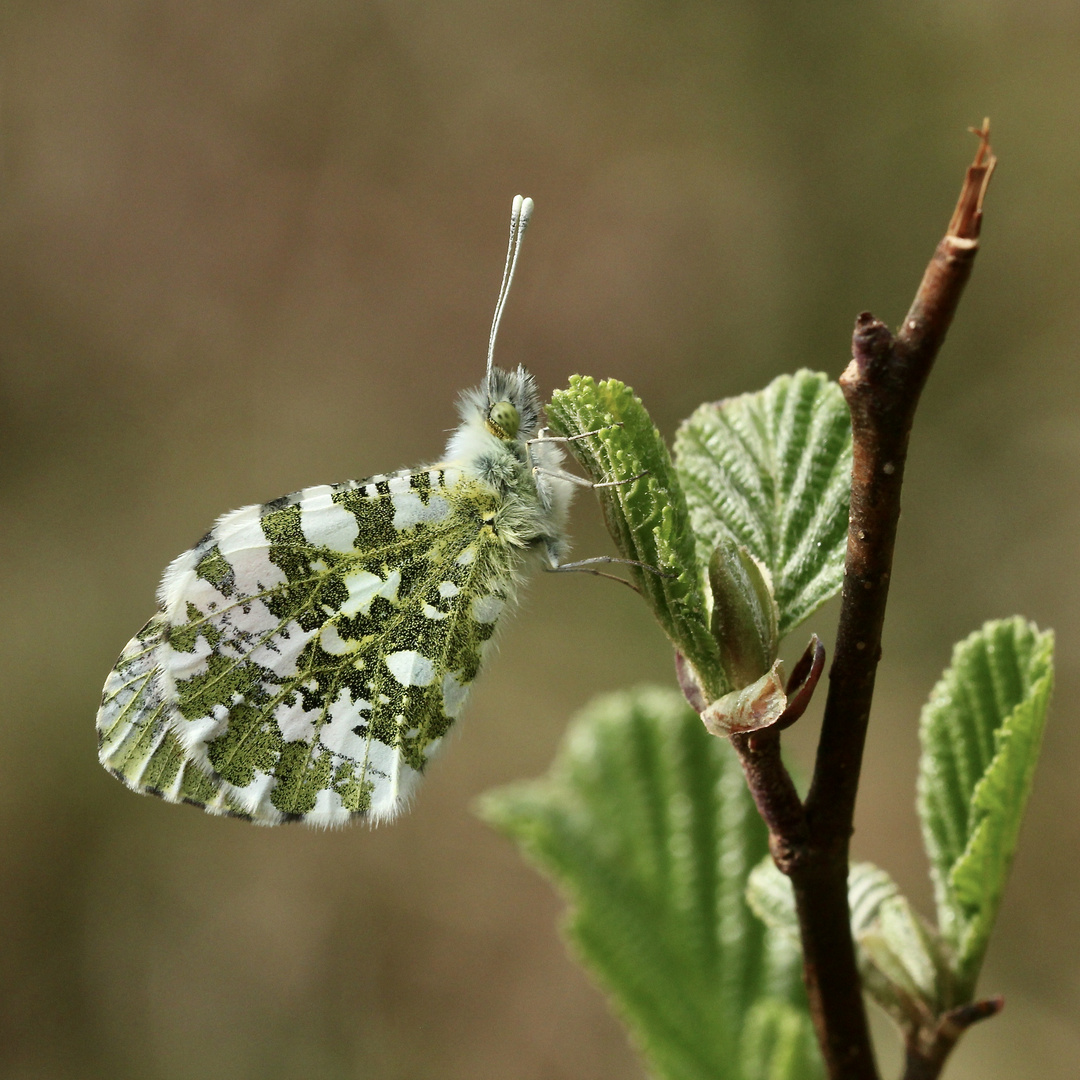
(810, 843)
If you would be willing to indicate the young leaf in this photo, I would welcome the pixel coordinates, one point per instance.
(646, 824)
(770, 897)
(648, 518)
(903, 962)
(772, 470)
(768, 892)
(905, 966)
(981, 731)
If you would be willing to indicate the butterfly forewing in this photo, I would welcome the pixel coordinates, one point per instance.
(137, 743)
(312, 652)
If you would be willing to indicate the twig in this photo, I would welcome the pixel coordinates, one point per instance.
(925, 1056)
(810, 843)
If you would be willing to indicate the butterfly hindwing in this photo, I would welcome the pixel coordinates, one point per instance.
(312, 652)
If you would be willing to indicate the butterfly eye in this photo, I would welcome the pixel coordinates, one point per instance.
(504, 421)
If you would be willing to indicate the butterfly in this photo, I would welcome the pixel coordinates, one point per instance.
(310, 654)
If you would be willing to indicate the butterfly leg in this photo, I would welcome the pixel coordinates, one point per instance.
(583, 564)
(586, 566)
(580, 481)
(553, 566)
(544, 437)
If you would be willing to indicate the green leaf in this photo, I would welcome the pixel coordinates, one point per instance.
(981, 731)
(905, 966)
(648, 518)
(903, 962)
(868, 888)
(778, 1043)
(768, 892)
(645, 823)
(772, 471)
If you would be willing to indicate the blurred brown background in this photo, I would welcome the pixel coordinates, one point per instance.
(246, 247)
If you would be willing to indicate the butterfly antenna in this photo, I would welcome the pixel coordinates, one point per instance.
(519, 219)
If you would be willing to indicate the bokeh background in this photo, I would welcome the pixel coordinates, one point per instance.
(246, 247)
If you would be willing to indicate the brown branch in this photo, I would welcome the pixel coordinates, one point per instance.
(810, 843)
(925, 1055)
(882, 385)
(774, 793)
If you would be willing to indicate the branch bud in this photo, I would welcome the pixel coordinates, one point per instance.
(744, 615)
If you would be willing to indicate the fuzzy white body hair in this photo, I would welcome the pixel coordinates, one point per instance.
(536, 500)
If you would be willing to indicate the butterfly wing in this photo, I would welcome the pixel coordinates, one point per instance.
(312, 652)
(138, 745)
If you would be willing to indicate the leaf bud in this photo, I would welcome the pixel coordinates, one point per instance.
(744, 613)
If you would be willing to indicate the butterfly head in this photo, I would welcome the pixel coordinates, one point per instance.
(510, 403)
(502, 417)
(503, 420)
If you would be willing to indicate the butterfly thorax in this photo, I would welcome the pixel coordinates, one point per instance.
(493, 446)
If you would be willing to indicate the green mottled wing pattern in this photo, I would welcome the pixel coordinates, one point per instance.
(312, 652)
(142, 750)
